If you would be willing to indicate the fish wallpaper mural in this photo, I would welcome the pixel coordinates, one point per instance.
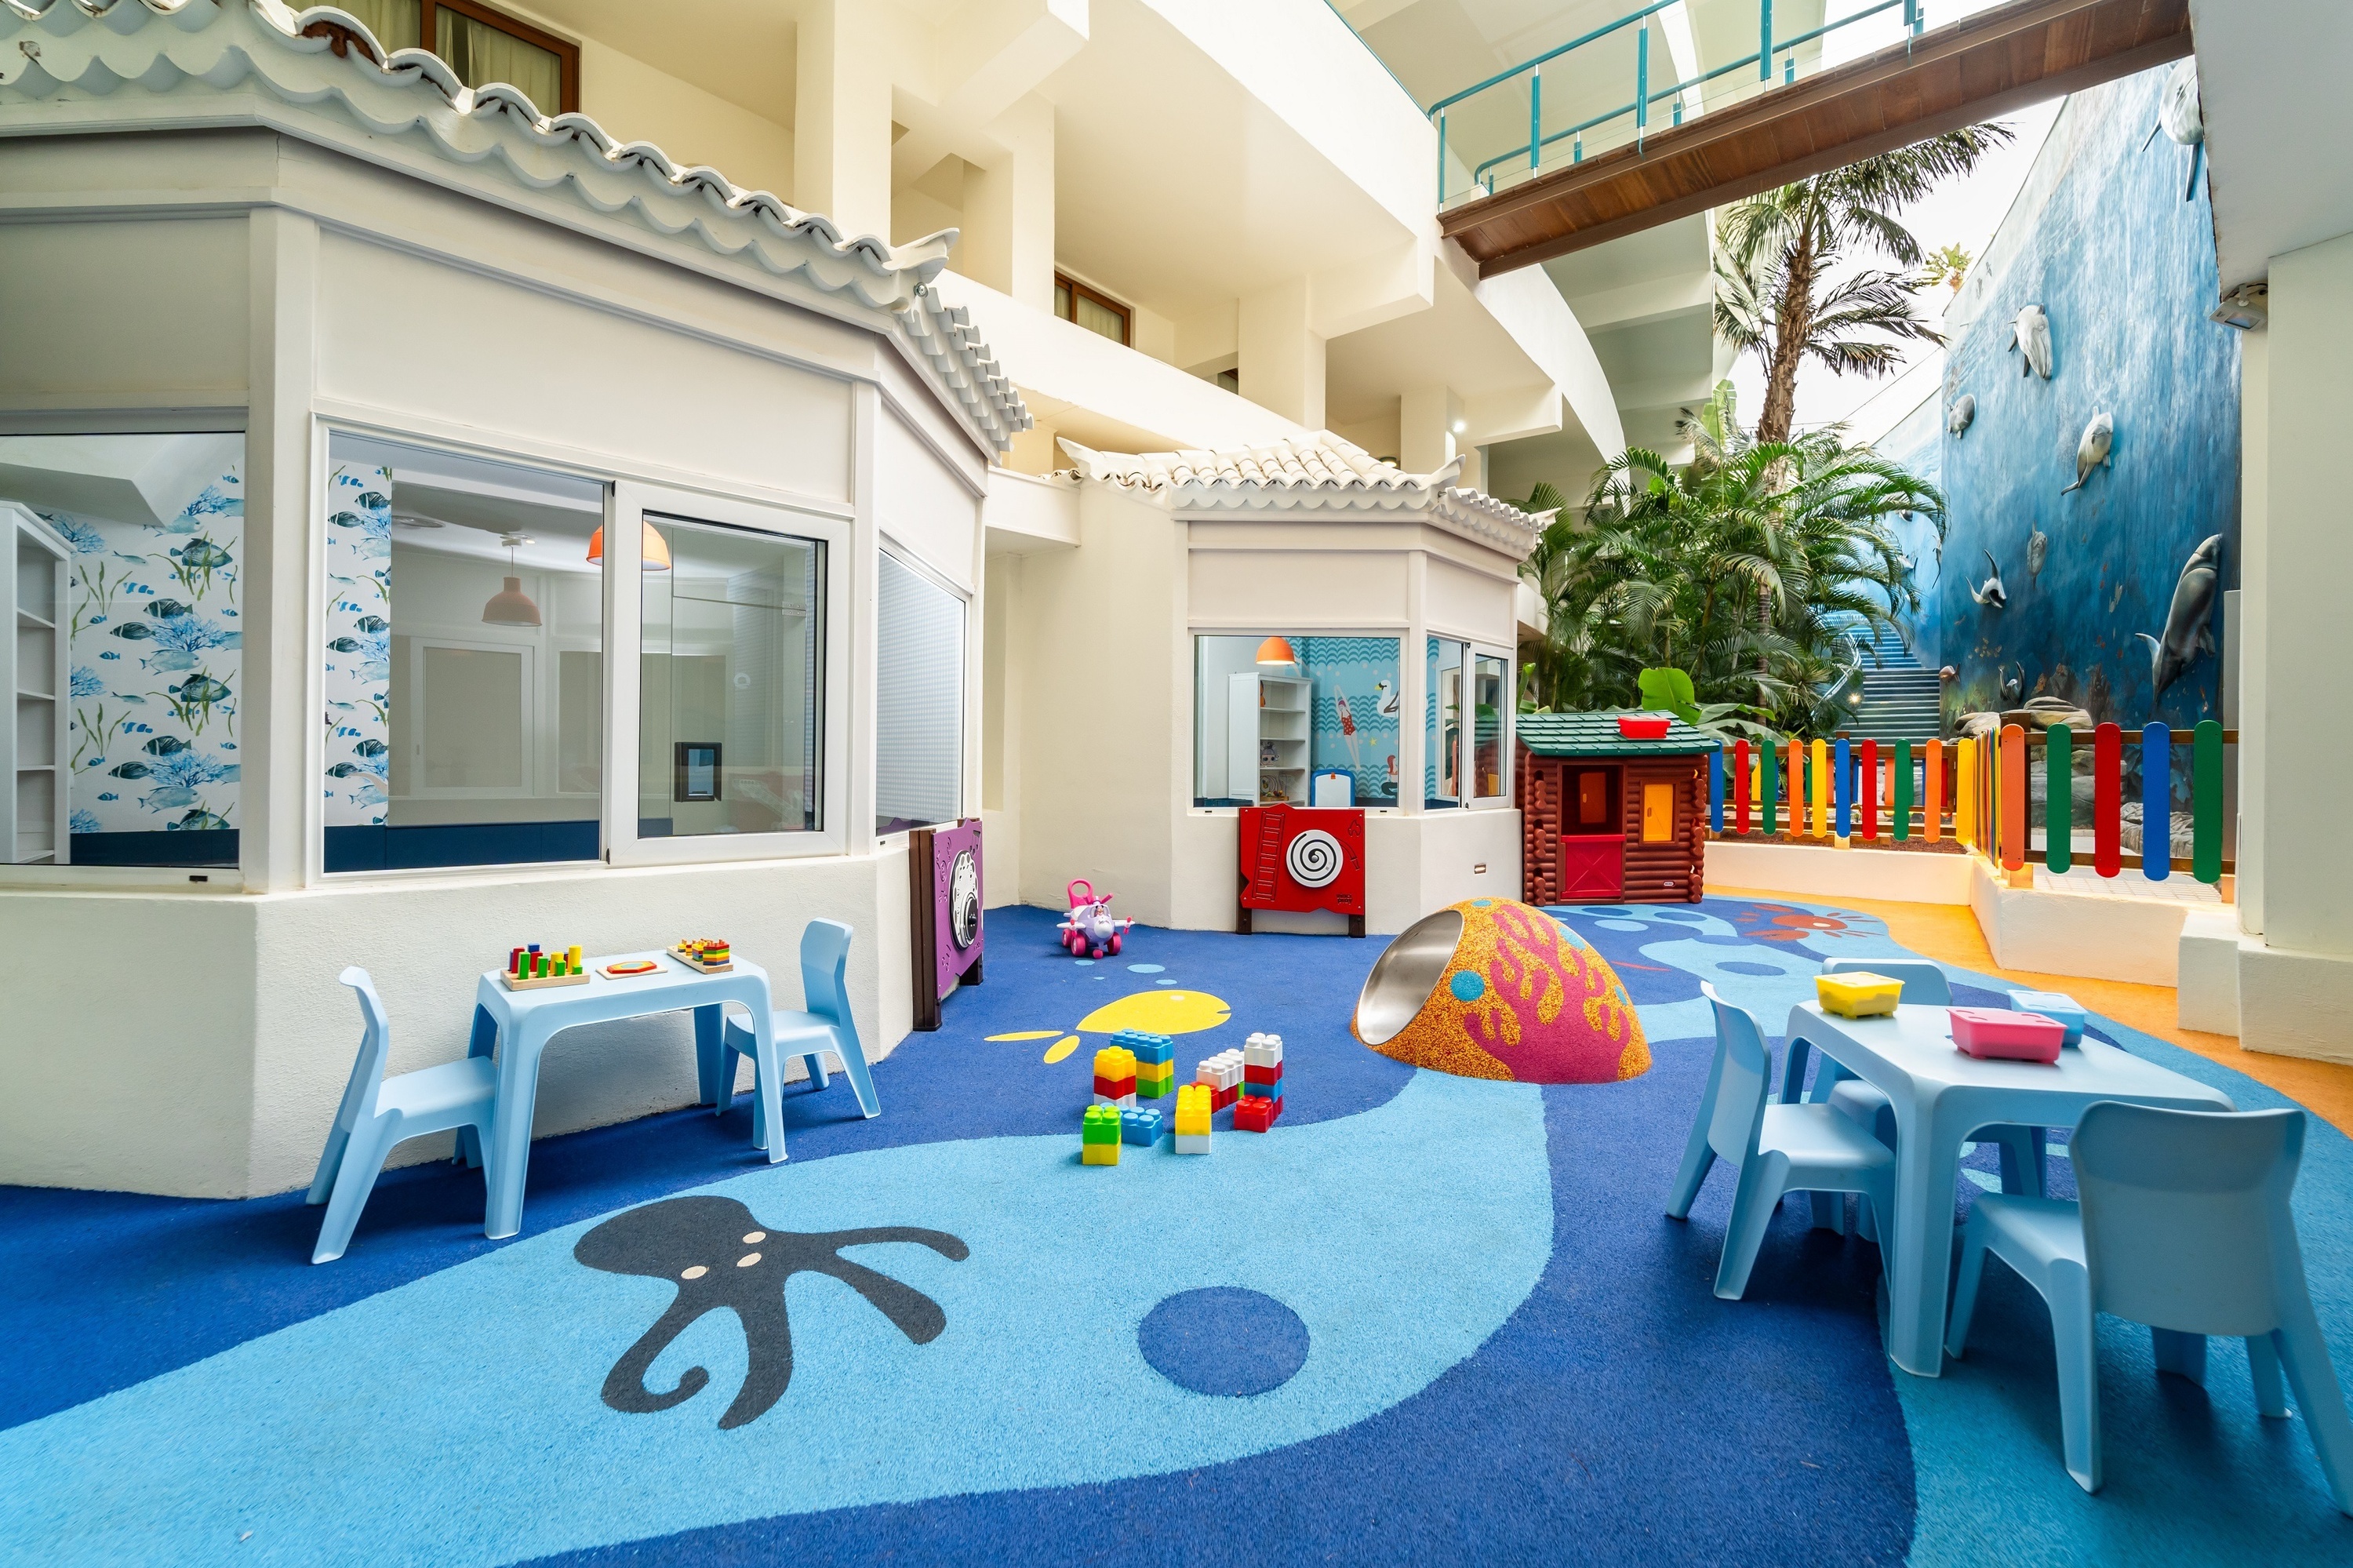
(358, 638)
(157, 663)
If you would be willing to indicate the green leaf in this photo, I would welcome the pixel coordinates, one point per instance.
(1671, 691)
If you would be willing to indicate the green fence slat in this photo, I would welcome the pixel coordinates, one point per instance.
(2206, 801)
(2058, 799)
(1901, 806)
(1769, 790)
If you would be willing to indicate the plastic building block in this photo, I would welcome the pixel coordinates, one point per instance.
(1263, 1051)
(1145, 1047)
(1099, 1136)
(1256, 1115)
(1140, 1128)
(1193, 1108)
(1262, 1091)
(1262, 1074)
(1222, 1072)
(1224, 1098)
(2052, 1004)
(1857, 993)
(1192, 1143)
(1995, 1032)
(1118, 1097)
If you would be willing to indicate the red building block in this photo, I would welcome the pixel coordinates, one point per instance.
(1112, 1089)
(1256, 1115)
(1261, 1074)
(1220, 1098)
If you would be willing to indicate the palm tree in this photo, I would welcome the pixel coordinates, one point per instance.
(1776, 296)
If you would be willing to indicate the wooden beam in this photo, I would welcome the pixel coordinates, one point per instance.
(1991, 63)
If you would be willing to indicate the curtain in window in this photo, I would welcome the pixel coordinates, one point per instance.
(480, 54)
(397, 24)
(919, 702)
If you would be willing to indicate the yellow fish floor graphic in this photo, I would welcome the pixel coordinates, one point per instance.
(1148, 1012)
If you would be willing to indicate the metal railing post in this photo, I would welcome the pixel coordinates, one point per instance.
(1642, 82)
(1765, 42)
(1535, 119)
(1441, 158)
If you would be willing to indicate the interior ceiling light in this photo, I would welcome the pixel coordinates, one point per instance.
(1275, 653)
(510, 606)
(654, 554)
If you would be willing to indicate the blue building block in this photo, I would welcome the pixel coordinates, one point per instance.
(1262, 1091)
(2052, 1004)
(1147, 1047)
(1141, 1127)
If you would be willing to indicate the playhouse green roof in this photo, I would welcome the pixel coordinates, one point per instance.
(1596, 735)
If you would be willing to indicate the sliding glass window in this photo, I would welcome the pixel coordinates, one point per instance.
(463, 641)
(1491, 688)
(731, 681)
(123, 566)
(919, 700)
(1444, 762)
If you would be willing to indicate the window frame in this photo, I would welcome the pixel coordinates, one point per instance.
(1399, 634)
(627, 505)
(428, 39)
(1126, 313)
(1473, 650)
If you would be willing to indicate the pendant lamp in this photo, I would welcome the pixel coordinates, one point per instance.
(510, 606)
(654, 554)
(1275, 653)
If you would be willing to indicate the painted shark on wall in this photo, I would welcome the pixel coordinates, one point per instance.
(2188, 624)
(2095, 448)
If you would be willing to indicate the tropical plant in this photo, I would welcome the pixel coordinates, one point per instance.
(1949, 265)
(1748, 570)
(1780, 294)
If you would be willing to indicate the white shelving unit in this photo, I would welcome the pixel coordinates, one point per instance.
(34, 668)
(1268, 719)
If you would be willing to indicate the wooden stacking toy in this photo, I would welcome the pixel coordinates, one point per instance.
(529, 969)
(709, 954)
(1857, 993)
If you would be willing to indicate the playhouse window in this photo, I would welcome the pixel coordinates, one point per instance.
(1444, 762)
(731, 681)
(1490, 721)
(919, 700)
(1296, 717)
(463, 641)
(125, 559)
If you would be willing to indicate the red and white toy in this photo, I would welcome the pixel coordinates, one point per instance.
(1091, 931)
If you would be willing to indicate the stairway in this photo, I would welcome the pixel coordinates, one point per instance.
(1901, 700)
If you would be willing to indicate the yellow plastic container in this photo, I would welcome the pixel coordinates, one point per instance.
(1858, 994)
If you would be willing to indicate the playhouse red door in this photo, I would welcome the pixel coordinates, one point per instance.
(1592, 868)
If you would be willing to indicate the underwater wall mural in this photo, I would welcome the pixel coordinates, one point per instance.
(2076, 502)
(358, 715)
(156, 668)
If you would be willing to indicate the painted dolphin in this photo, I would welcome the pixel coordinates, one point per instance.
(1963, 412)
(2099, 439)
(1992, 595)
(2188, 632)
(2038, 546)
(2031, 332)
(2180, 116)
(487, 1381)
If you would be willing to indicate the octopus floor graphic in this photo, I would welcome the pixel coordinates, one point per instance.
(1425, 1320)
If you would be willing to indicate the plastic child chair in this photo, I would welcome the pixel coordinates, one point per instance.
(1780, 1148)
(377, 1113)
(826, 1026)
(1923, 985)
(2184, 1225)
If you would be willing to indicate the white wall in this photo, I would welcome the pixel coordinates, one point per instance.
(639, 103)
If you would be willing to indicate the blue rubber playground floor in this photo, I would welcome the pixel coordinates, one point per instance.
(1425, 1319)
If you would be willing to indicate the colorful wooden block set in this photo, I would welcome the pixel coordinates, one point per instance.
(1136, 1064)
(528, 969)
(711, 955)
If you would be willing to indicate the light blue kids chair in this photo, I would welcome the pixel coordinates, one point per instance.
(378, 1114)
(826, 1026)
(1778, 1148)
(1923, 985)
(2184, 1225)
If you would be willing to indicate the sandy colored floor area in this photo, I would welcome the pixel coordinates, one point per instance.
(1949, 933)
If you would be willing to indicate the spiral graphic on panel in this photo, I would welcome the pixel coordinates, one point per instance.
(1314, 859)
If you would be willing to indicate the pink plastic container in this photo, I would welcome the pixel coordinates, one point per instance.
(1996, 1033)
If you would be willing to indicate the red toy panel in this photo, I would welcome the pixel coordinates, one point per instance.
(1297, 857)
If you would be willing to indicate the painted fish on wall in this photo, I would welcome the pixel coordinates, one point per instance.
(2188, 624)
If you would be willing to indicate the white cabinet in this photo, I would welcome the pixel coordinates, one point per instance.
(1268, 719)
(36, 671)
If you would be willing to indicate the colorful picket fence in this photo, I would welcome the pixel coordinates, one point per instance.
(1976, 791)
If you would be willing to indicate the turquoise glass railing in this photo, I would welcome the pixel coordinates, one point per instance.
(1595, 63)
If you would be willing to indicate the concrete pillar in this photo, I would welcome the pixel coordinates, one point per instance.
(2296, 976)
(1281, 355)
(1429, 427)
(841, 117)
(1008, 208)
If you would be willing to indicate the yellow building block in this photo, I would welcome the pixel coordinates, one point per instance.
(1100, 1154)
(1856, 994)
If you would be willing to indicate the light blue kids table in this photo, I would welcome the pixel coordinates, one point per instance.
(1940, 1097)
(519, 1023)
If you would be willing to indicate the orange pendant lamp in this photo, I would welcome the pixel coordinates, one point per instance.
(656, 555)
(1275, 653)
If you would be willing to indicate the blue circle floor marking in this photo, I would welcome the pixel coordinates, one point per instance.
(1223, 1340)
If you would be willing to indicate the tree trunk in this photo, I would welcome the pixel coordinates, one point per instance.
(1793, 324)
